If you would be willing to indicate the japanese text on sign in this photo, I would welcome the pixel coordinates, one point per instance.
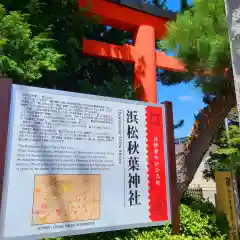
(133, 158)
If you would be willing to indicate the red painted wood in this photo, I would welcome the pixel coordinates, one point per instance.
(169, 63)
(5, 98)
(146, 28)
(145, 64)
(128, 53)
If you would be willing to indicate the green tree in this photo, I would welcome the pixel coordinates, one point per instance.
(23, 57)
(227, 155)
(69, 25)
(199, 37)
(79, 73)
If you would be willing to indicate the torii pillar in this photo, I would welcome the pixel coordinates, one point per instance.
(143, 55)
(146, 27)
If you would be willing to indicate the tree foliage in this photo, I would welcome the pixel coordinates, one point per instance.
(199, 37)
(23, 56)
(199, 223)
(227, 155)
(69, 25)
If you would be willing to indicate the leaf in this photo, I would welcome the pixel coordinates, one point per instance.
(23, 56)
(226, 151)
(199, 37)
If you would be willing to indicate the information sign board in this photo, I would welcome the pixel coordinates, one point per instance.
(78, 163)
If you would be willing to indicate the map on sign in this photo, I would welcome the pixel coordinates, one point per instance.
(66, 198)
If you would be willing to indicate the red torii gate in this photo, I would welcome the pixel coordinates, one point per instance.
(146, 27)
(143, 54)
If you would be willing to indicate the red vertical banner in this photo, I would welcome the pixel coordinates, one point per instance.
(158, 210)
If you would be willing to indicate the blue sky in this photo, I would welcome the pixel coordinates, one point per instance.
(186, 98)
(174, 5)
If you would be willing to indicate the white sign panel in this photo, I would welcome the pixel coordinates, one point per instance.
(77, 164)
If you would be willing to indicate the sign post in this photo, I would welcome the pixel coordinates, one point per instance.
(174, 193)
(227, 201)
(79, 164)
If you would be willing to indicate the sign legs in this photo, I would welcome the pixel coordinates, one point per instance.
(174, 193)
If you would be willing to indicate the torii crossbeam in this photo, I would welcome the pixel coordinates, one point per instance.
(143, 54)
